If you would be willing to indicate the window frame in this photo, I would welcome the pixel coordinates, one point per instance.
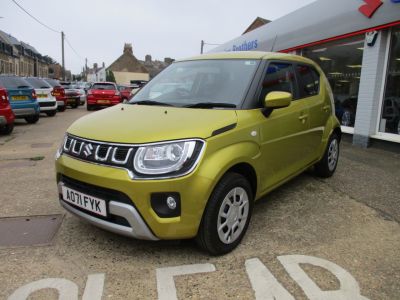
(300, 80)
(295, 95)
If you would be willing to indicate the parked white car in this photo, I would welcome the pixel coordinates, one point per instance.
(43, 90)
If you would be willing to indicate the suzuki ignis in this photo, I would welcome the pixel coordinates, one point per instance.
(192, 151)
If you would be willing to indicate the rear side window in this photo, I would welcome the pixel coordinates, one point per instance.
(103, 86)
(308, 80)
(14, 82)
(37, 83)
(278, 78)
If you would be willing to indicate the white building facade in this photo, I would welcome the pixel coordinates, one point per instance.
(357, 44)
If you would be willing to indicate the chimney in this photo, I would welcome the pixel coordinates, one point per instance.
(128, 48)
(168, 60)
(104, 64)
(95, 66)
(147, 58)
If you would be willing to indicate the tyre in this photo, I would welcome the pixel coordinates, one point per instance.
(226, 216)
(74, 105)
(89, 107)
(7, 129)
(327, 165)
(51, 113)
(61, 108)
(32, 119)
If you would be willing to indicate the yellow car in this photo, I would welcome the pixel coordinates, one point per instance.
(193, 149)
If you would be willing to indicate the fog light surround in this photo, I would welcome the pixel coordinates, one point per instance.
(166, 205)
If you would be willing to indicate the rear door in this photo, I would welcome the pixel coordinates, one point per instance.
(319, 106)
(284, 132)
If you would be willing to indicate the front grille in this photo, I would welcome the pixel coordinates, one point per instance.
(116, 155)
(46, 104)
(99, 192)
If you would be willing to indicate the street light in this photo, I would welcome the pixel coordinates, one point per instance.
(204, 43)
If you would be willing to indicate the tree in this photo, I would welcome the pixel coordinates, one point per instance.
(110, 76)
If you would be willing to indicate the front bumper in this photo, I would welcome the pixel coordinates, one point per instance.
(194, 191)
(137, 229)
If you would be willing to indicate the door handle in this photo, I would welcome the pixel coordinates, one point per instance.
(303, 118)
(326, 108)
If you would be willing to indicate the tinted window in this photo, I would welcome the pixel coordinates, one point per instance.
(308, 80)
(37, 83)
(14, 82)
(279, 78)
(52, 82)
(203, 81)
(103, 86)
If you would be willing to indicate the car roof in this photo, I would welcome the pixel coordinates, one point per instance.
(250, 55)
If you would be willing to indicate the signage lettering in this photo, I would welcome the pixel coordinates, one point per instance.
(370, 7)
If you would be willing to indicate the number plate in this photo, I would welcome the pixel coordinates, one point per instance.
(19, 97)
(90, 203)
(103, 101)
(42, 96)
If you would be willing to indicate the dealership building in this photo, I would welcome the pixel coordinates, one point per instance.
(357, 44)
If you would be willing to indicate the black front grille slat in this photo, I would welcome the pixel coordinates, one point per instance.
(101, 153)
(121, 154)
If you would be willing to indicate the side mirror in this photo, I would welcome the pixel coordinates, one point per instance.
(277, 100)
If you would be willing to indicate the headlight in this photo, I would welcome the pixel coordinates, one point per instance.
(60, 149)
(167, 158)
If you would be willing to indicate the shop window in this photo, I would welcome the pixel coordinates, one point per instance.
(279, 78)
(341, 62)
(308, 81)
(390, 116)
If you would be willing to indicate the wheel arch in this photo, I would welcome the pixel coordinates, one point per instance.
(248, 172)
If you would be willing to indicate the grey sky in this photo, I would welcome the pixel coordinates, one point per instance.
(98, 29)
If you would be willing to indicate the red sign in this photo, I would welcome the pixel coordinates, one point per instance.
(370, 7)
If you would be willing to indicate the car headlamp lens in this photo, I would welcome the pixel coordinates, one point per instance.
(163, 158)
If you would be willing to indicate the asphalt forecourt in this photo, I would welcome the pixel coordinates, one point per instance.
(337, 238)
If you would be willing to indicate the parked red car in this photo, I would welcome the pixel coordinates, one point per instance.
(59, 93)
(125, 92)
(6, 114)
(103, 94)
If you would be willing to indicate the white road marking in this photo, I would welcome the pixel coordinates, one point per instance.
(67, 290)
(349, 288)
(264, 284)
(94, 287)
(165, 278)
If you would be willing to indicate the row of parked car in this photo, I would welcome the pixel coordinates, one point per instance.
(28, 97)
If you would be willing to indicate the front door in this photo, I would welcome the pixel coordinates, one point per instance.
(284, 133)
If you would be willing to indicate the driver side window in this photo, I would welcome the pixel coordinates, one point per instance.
(278, 78)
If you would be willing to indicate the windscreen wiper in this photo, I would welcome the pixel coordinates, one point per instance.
(23, 87)
(151, 102)
(211, 105)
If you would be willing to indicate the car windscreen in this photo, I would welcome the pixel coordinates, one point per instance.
(103, 86)
(52, 82)
(192, 83)
(14, 82)
(37, 83)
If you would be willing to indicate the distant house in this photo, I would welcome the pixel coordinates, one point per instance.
(127, 67)
(96, 74)
(155, 66)
(20, 58)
